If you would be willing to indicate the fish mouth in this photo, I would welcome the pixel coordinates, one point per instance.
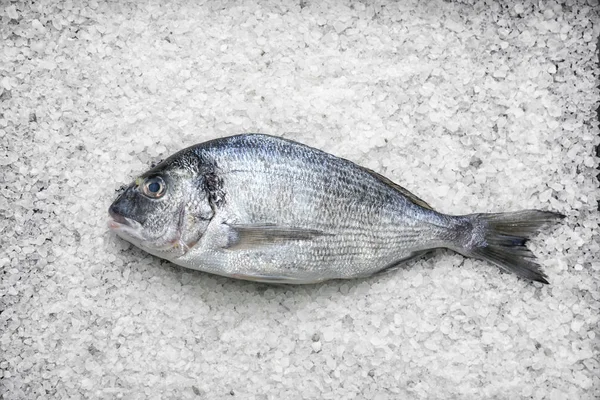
(122, 224)
(117, 220)
(132, 231)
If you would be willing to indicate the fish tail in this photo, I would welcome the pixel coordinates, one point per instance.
(500, 239)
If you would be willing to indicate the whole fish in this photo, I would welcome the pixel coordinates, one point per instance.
(267, 209)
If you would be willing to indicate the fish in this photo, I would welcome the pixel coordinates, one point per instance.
(268, 209)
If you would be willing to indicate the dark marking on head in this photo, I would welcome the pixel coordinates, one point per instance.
(214, 186)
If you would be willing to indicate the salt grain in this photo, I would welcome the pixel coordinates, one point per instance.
(454, 26)
(37, 25)
(316, 346)
(328, 335)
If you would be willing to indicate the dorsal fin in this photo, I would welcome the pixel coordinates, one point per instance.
(400, 189)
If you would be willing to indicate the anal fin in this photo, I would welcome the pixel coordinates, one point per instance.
(275, 279)
(399, 263)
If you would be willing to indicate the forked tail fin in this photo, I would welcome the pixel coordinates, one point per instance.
(500, 239)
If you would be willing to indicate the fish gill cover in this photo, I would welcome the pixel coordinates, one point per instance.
(476, 106)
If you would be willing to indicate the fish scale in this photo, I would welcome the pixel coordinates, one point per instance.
(268, 209)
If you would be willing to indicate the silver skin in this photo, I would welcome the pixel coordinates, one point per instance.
(262, 208)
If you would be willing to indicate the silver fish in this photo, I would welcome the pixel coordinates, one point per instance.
(267, 209)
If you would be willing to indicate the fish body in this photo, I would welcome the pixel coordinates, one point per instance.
(263, 208)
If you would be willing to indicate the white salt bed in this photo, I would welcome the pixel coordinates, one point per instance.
(482, 107)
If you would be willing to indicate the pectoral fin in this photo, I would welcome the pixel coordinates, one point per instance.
(399, 263)
(244, 237)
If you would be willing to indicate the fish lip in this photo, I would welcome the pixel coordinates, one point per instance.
(120, 223)
(117, 218)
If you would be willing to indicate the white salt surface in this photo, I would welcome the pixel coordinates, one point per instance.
(476, 108)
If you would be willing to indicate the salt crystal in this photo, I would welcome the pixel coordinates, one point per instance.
(527, 38)
(454, 26)
(339, 26)
(500, 72)
(431, 345)
(5, 82)
(316, 346)
(328, 335)
(519, 8)
(589, 162)
(556, 394)
(576, 325)
(11, 12)
(331, 363)
(445, 327)
(548, 13)
(527, 391)
(37, 25)
(452, 125)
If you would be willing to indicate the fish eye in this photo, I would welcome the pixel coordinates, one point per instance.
(154, 187)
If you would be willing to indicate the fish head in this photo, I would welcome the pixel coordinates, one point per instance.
(166, 210)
